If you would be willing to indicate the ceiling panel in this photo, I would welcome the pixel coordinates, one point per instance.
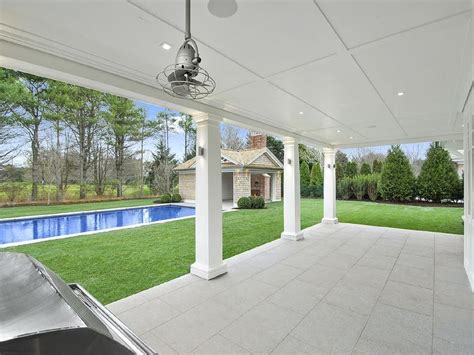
(274, 105)
(264, 36)
(336, 135)
(337, 87)
(424, 64)
(81, 27)
(360, 22)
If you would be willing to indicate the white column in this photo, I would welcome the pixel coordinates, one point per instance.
(469, 190)
(209, 263)
(291, 187)
(329, 186)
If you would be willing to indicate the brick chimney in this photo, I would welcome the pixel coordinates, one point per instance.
(258, 140)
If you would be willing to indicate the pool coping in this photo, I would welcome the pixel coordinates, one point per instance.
(181, 204)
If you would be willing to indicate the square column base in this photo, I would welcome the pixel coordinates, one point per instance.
(292, 236)
(208, 273)
(329, 221)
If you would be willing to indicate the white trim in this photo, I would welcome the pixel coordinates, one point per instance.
(271, 156)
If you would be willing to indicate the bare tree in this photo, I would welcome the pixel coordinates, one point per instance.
(231, 138)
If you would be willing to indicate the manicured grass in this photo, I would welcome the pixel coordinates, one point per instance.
(10, 212)
(117, 264)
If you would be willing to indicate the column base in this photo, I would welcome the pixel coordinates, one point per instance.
(329, 220)
(292, 236)
(207, 273)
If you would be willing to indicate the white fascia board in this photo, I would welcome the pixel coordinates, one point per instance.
(27, 59)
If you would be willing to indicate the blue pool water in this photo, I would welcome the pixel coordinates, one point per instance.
(21, 230)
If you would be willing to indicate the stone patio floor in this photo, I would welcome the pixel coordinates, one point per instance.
(343, 289)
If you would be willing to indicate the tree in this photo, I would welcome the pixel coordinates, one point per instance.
(438, 179)
(350, 169)
(24, 102)
(189, 128)
(124, 123)
(231, 138)
(377, 166)
(276, 147)
(304, 175)
(341, 161)
(365, 169)
(161, 173)
(316, 175)
(308, 154)
(397, 179)
(83, 111)
(165, 122)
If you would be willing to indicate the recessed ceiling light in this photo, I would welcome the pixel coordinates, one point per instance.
(401, 93)
(462, 125)
(350, 137)
(301, 113)
(165, 46)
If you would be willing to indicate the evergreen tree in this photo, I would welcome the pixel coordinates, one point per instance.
(365, 169)
(397, 179)
(377, 166)
(438, 179)
(276, 147)
(161, 174)
(316, 178)
(350, 169)
(304, 175)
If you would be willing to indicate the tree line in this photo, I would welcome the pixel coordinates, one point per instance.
(79, 135)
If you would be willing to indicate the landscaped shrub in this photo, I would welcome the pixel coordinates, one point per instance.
(345, 187)
(350, 169)
(257, 202)
(438, 179)
(304, 174)
(339, 171)
(459, 191)
(377, 167)
(316, 175)
(176, 198)
(360, 186)
(312, 191)
(365, 169)
(244, 203)
(165, 198)
(373, 182)
(397, 180)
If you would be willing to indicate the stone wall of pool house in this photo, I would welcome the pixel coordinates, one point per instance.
(187, 186)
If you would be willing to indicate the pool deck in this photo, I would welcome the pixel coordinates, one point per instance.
(343, 289)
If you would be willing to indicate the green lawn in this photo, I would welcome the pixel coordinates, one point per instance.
(9, 212)
(116, 264)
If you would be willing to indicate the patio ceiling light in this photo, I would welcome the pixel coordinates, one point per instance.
(185, 78)
(401, 93)
(338, 131)
(165, 46)
(301, 113)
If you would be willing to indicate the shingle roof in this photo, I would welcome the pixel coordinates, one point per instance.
(243, 158)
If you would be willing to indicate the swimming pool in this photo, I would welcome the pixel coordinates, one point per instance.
(36, 228)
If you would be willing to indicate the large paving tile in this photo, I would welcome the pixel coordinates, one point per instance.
(330, 329)
(127, 303)
(386, 250)
(261, 329)
(323, 277)
(278, 275)
(454, 325)
(301, 260)
(153, 341)
(419, 250)
(450, 260)
(411, 298)
(353, 297)
(189, 330)
(191, 295)
(373, 347)
(399, 327)
(169, 286)
(148, 315)
(443, 346)
(297, 296)
(416, 261)
(367, 276)
(338, 261)
(454, 294)
(220, 345)
(412, 276)
(449, 274)
(265, 259)
(353, 250)
(377, 261)
(292, 345)
(245, 295)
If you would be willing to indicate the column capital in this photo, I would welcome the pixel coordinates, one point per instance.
(289, 141)
(206, 117)
(329, 151)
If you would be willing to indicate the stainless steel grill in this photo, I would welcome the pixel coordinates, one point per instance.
(41, 314)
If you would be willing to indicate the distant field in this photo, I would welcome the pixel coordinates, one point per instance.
(20, 192)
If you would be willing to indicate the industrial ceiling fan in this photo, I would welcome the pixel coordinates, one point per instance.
(186, 78)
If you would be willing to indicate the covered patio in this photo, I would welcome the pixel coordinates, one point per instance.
(327, 74)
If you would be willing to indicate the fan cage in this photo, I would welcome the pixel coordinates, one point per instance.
(193, 90)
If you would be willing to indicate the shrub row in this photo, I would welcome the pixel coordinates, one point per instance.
(251, 202)
(167, 198)
(360, 186)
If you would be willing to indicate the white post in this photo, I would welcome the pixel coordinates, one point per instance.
(209, 262)
(291, 187)
(329, 186)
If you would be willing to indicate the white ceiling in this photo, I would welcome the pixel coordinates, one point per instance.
(341, 63)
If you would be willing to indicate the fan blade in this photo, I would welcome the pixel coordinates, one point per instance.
(197, 82)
